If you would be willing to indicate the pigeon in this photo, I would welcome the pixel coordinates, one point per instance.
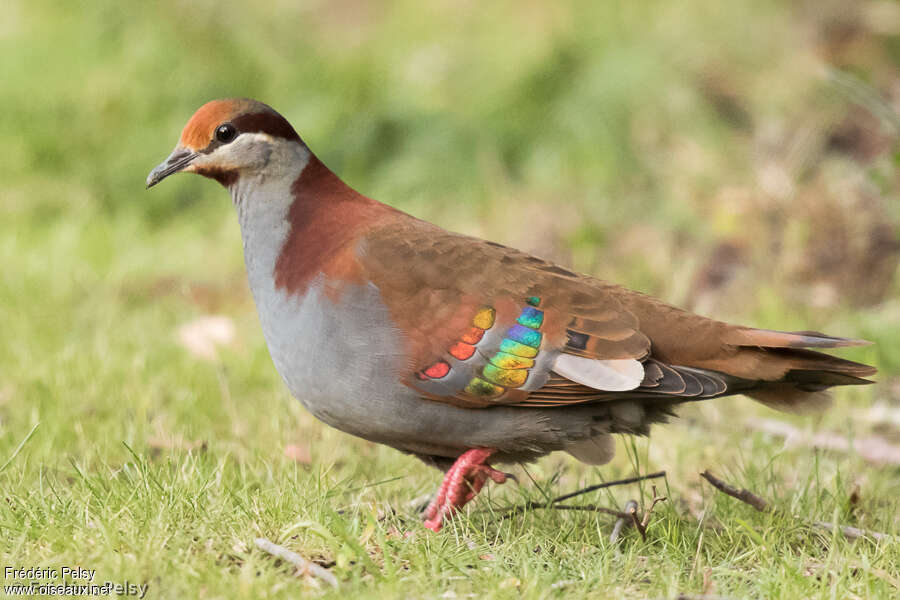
(461, 351)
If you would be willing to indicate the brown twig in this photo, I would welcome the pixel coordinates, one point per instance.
(743, 495)
(303, 565)
(641, 525)
(854, 533)
(555, 502)
(656, 500)
(607, 484)
(759, 504)
(634, 518)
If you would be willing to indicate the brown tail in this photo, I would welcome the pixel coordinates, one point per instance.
(773, 367)
(769, 338)
(806, 374)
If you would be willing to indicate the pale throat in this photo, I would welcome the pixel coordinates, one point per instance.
(262, 201)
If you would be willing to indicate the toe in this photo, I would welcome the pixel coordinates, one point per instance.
(434, 524)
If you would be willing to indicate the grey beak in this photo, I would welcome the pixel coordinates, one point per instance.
(178, 160)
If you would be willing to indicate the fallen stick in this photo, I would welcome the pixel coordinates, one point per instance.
(743, 495)
(554, 503)
(642, 524)
(855, 532)
(629, 515)
(607, 484)
(303, 565)
(759, 504)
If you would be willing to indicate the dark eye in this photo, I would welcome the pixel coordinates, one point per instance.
(226, 132)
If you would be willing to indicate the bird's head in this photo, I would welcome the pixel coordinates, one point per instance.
(229, 139)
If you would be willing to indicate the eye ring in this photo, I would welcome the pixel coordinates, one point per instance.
(226, 133)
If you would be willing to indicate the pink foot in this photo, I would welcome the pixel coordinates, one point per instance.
(461, 483)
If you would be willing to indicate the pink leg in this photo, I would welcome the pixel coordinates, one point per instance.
(461, 483)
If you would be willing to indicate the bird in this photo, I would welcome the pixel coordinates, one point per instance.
(464, 352)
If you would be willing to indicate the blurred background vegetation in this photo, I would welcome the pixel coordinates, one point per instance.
(736, 158)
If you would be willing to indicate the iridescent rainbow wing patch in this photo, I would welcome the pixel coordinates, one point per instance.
(464, 349)
(495, 370)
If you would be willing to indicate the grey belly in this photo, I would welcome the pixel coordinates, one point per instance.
(342, 361)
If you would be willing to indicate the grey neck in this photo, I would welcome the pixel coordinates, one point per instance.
(262, 200)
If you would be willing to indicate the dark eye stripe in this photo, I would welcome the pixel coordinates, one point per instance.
(261, 122)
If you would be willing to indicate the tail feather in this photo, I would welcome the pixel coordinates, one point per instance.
(814, 381)
(790, 398)
(808, 374)
(770, 338)
(796, 359)
(776, 368)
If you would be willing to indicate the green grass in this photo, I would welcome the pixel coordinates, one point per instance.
(630, 140)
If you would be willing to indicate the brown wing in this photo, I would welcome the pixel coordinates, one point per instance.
(441, 295)
(440, 288)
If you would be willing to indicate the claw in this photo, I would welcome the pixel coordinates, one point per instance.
(512, 476)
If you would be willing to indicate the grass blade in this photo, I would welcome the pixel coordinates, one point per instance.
(19, 447)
